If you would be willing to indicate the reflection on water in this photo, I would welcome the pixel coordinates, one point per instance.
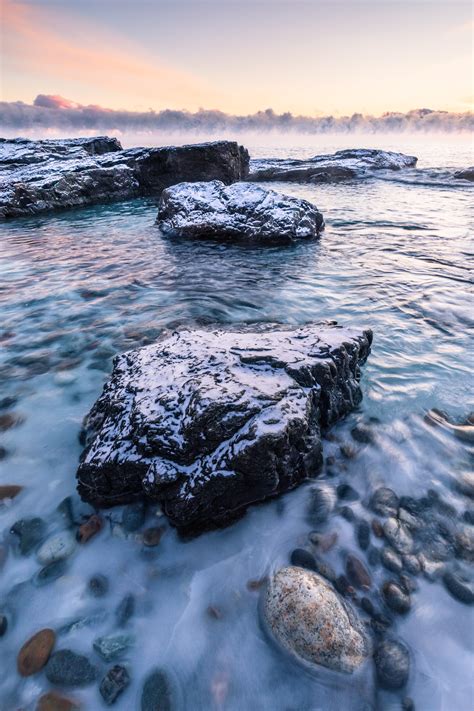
(78, 287)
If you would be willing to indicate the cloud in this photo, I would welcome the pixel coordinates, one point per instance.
(55, 112)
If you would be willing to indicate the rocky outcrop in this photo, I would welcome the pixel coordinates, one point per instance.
(209, 421)
(335, 167)
(40, 176)
(239, 211)
(311, 621)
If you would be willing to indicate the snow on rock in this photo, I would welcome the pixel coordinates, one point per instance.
(239, 211)
(40, 176)
(334, 167)
(209, 421)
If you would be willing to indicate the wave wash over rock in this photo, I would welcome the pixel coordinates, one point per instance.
(210, 421)
(239, 211)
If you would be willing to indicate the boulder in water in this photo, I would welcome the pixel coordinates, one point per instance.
(241, 211)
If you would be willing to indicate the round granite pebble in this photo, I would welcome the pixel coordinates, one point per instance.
(66, 668)
(392, 664)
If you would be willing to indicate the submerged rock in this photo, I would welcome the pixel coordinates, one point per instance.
(114, 683)
(384, 501)
(311, 621)
(342, 165)
(157, 693)
(210, 421)
(40, 176)
(392, 664)
(30, 532)
(241, 211)
(113, 646)
(465, 174)
(66, 668)
(56, 548)
(53, 701)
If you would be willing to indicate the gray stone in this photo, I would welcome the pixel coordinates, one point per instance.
(242, 211)
(66, 668)
(113, 646)
(384, 501)
(98, 585)
(396, 598)
(58, 547)
(114, 684)
(49, 573)
(398, 535)
(363, 534)
(311, 621)
(125, 610)
(209, 421)
(391, 560)
(459, 586)
(392, 664)
(30, 532)
(321, 504)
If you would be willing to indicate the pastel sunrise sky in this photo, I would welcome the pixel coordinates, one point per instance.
(305, 56)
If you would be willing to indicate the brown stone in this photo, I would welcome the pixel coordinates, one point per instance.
(35, 652)
(254, 585)
(152, 536)
(9, 491)
(89, 529)
(53, 701)
(377, 528)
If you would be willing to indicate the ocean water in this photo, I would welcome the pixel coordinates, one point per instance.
(78, 287)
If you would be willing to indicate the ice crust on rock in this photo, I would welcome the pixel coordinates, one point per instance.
(209, 421)
(239, 211)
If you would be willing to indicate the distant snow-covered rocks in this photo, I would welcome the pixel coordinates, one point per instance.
(210, 421)
(334, 167)
(239, 211)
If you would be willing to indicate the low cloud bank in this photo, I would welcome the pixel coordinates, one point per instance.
(56, 112)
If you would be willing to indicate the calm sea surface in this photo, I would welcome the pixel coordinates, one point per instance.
(78, 287)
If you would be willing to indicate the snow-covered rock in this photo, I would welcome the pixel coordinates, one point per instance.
(239, 211)
(39, 176)
(334, 167)
(209, 421)
(310, 620)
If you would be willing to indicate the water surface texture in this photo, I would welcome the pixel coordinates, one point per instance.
(78, 287)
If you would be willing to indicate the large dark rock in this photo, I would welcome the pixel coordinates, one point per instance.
(242, 211)
(38, 176)
(465, 174)
(331, 168)
(210, 421)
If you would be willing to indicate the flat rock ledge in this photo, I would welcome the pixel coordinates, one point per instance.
(41, 176)
(242, 211)
(210, 421)
(330, 168)
(311, 621)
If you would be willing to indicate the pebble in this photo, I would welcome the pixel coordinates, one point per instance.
(346, 492)
(303, 559)
(384, 501)
(432, 570)
(125, 610)
(435, 548)
(363, 434)
(323, 499)
(133, 516)
(398, 536)
(50, 572)
(35, 652)
(343, 586)
(323, 541)
(392, 664)
(114, 683)
(347, 513)
(152, 536)
(53, 701)
(113, 646)
(397, 599)
(464, 544)
(9, 491)
(66, 668)
(465, 484)
(459, 587)
(363, 534)
(411, 564)
(391, 560)
(58, 547)
(367, 606)
(90, 528)
(30, 531)
(98, 585)
(3, 625)
(408, 519)
(157, 693)
(357, 573)
(377, 528)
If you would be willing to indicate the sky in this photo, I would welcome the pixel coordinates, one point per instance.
(310, 57)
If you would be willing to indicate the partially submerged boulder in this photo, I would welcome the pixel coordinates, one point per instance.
(241, 211)
(40, 176)
(331, 168)
(209, 421)
(311, 621)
